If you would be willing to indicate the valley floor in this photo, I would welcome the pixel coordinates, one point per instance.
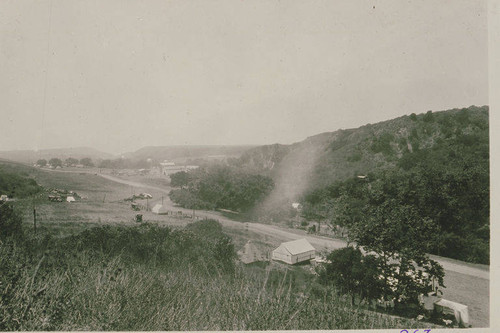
(465, 283)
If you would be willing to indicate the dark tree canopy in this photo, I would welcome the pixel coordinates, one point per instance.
(179, 179)
(71, 161)
(86, 161)
(55, 162)
(41, 162)
(221, 187)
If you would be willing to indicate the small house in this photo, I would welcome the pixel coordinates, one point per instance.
(294, 252)
(160, 209)
(70, 199)
(4, 197)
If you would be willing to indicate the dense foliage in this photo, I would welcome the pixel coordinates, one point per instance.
(442, 187)
(354, 274)
(15, 183)
(150, 278)
(220, 187)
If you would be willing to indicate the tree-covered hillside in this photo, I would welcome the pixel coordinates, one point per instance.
(433, 167)
(346, 153)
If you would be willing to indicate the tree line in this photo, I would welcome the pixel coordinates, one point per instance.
(219, 186)
(70, 161)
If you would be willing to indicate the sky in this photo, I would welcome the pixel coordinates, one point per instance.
(121, 75)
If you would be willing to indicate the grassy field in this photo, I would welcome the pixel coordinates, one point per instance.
(103, 203)
(105, 206)
(154, 278)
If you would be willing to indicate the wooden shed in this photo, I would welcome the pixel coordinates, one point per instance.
(294, 252)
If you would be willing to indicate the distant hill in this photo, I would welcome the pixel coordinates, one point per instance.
(322, 159)
(187, 153)
(31, 156)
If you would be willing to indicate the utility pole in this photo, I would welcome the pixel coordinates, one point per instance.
(34, 216)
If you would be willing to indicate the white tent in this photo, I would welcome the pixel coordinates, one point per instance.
(160, 209)
(70, 199)
(250, 253)
(460, 311)
(294, 252)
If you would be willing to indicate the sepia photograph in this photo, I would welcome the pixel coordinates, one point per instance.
(229, 165)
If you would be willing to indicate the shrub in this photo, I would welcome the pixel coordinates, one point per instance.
(10, 222)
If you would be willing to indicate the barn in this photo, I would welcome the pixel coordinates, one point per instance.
(160, 209)
(294, 252)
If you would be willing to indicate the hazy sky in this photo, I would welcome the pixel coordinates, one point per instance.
(119, 75)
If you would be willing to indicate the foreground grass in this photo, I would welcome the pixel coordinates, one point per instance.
(151, 278)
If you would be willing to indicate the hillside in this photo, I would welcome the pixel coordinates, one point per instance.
(322, 159)
(16, 180)
(432, 167)
(31, 156)
(182, 279)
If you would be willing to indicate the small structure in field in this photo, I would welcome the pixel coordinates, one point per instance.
(294, 252)
(160, 209)
(4, 197)
(250, 253)
(70, 199)
(459, 311)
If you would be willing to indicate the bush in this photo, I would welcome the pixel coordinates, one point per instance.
(10, 222)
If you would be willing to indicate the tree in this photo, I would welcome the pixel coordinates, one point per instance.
(55, 162)
(71, 161)
(86, 162)
(352, 273)
(179, 179)
(400, 237)
(42, 162)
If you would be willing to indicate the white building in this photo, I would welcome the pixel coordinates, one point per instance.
(294, 252)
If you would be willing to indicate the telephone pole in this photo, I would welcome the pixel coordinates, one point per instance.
(34, 216)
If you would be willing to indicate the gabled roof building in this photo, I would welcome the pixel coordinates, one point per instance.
(294, 252)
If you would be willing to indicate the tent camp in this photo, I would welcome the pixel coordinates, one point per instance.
(294, 252)
(250, 253)
(160, 209)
